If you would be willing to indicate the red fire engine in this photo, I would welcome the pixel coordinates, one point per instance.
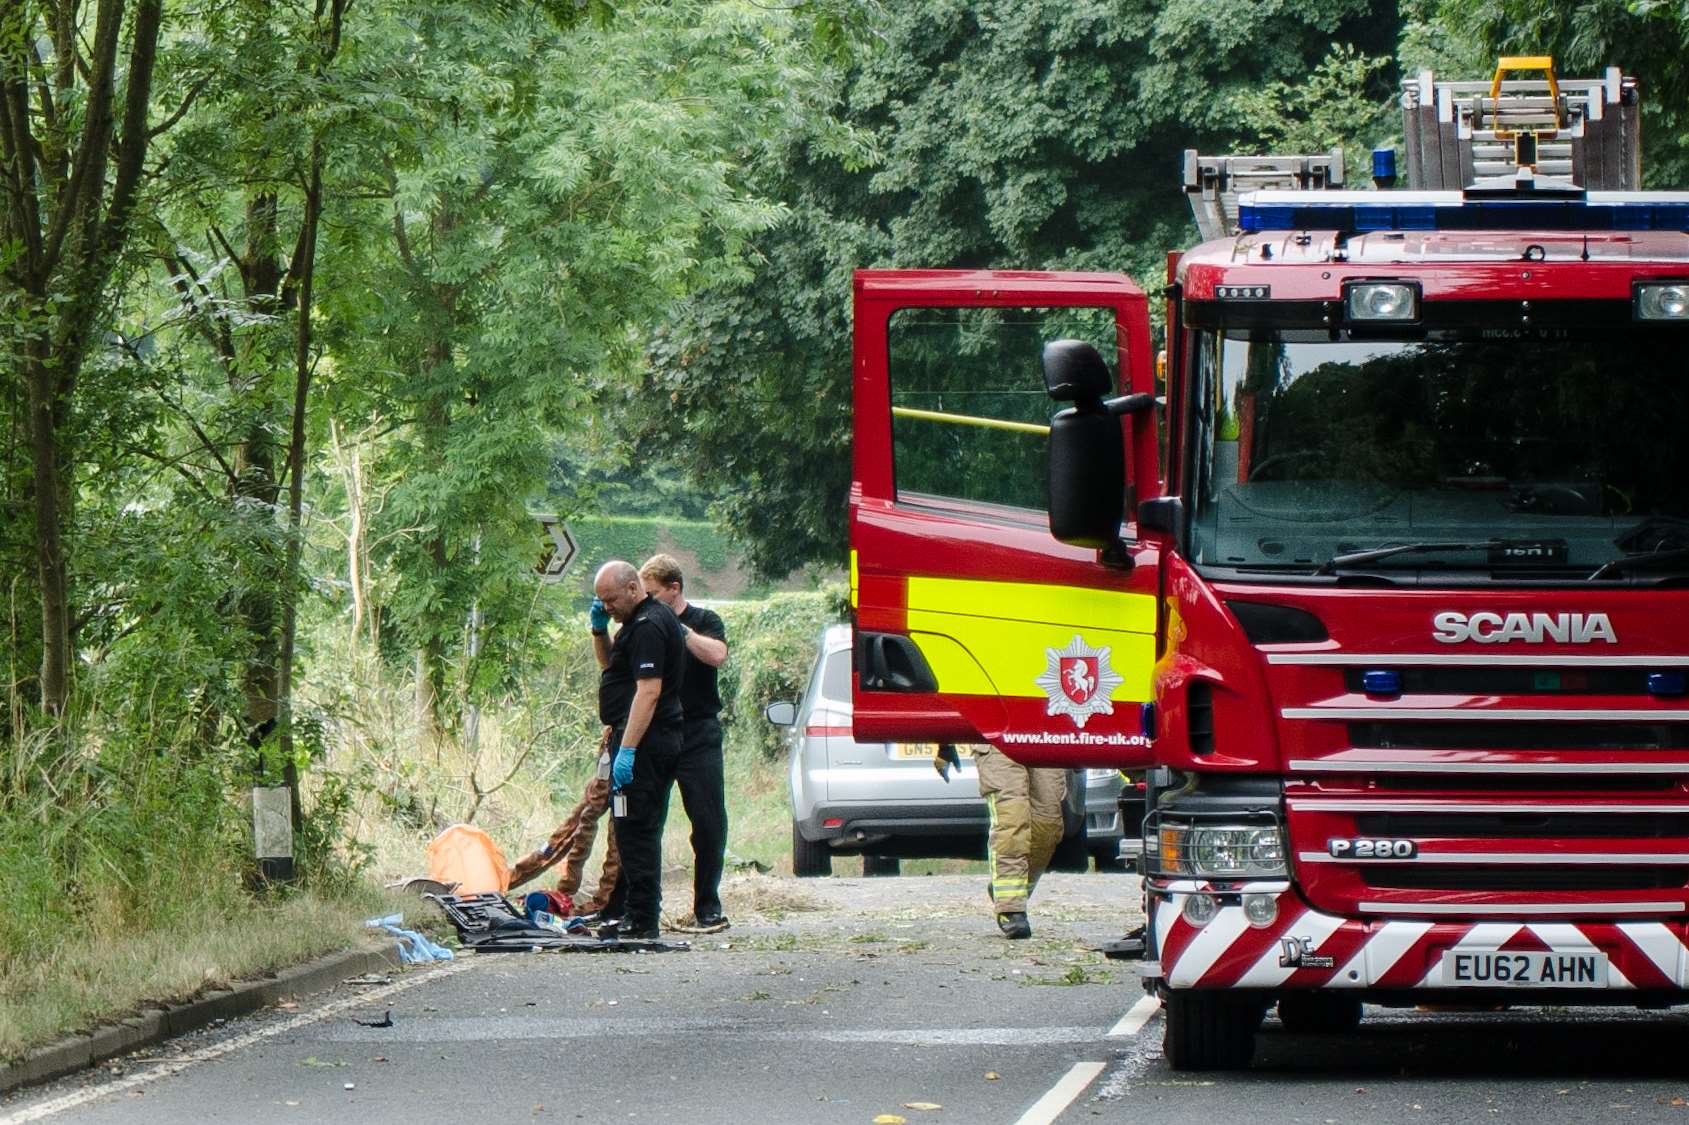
(1386, 584)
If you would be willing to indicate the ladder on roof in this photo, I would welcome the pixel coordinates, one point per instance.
(1213, 183)
(1588, 131)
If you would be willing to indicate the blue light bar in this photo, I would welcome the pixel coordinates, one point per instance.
(1361, 212)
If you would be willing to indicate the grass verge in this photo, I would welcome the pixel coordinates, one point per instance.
(88, 979)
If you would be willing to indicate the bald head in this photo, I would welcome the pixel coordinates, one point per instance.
(617, 585)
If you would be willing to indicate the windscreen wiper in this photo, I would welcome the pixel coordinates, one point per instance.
(1641, 560)
(1361, 558)
(1656, 533)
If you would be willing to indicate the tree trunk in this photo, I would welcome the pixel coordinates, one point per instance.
(255, 489)
(304, 269)
(47, 485)
(65, 217)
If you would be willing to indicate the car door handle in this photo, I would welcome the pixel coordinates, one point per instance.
(892, 662)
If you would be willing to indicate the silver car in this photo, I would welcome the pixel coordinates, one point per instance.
(885, 801)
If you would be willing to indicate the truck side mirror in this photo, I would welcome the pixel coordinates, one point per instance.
(1087, 486)
(1074, 371)
(1087, 452)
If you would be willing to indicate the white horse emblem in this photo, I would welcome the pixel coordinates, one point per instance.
(1078, 681)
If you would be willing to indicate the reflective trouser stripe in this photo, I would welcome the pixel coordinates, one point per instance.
(1008, 870)
(1026, 824)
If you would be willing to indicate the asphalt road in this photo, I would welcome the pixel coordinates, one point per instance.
(848, 1000)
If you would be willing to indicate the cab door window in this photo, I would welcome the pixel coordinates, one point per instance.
(970, 416)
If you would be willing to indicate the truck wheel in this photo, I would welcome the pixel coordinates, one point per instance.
(1209, 1030)
(809, 860)
(1318, 1013)
(880, 865)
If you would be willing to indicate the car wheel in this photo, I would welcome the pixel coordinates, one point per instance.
(809, 860)
(880, 865)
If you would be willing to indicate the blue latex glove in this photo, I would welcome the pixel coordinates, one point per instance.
(621, 774)
(599, 616)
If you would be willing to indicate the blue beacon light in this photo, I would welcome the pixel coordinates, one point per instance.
(1381, 681)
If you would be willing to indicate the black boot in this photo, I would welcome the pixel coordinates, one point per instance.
(1014, 925)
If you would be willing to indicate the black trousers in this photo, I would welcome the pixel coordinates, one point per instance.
(638, 898)
(703, 793)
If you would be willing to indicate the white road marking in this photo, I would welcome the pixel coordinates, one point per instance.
(1133, 1021)
(1049, 1107)
(485, 1029)
(239, 1042)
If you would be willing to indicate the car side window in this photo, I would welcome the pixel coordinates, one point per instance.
(835, 675)
(811, 689)
(970, 416)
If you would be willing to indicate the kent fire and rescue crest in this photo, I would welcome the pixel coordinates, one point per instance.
(1078, 681)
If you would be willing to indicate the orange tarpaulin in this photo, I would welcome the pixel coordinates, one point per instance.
(467, 856)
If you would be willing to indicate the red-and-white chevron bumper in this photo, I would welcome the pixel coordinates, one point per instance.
(1303, 948)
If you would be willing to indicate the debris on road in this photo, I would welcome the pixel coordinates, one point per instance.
(414, 948)
(490, 923)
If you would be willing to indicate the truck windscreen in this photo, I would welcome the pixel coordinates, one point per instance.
(1546, 455)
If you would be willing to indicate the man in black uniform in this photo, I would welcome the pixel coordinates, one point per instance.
(702, 788)
(639, 699)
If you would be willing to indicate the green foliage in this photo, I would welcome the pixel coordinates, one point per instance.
(575, 186)
(771, 645)
(637, 538)
(1346, 101)
(110, 828)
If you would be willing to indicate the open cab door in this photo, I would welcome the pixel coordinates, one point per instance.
(973, 621)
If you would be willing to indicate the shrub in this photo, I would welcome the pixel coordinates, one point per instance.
(771, 646)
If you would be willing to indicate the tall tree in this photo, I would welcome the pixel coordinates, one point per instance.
(237, 237)
(75, 91)
(570, 183)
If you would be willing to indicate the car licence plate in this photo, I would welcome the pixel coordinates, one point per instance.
(1478, 968)
(927, 750)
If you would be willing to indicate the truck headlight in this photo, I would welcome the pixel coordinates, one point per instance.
(1381, 300)
(1222, 850)
(1663, 302)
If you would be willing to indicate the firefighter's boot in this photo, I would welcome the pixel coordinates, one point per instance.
(1014, 925)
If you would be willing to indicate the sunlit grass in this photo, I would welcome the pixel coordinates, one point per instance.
(91, 978)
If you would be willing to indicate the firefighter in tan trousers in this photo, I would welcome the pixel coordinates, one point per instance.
(1026, 825)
